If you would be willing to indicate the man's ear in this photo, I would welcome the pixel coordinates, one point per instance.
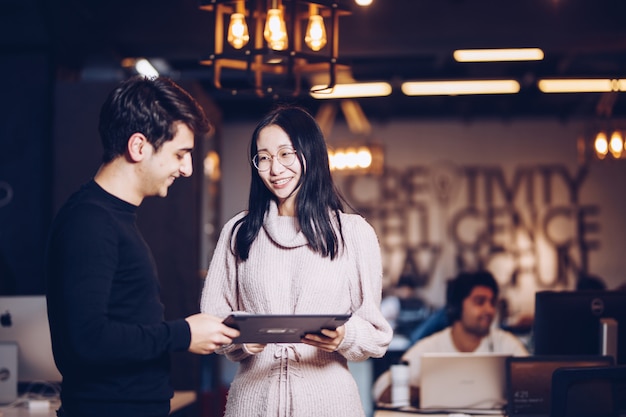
(137, 147)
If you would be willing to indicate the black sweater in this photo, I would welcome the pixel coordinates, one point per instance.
(109, 338)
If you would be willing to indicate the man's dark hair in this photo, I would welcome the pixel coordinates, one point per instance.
(460, 288)
(151, 106)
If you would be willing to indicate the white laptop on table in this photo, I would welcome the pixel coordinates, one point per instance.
(463, 381)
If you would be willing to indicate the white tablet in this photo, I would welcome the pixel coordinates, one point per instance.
(281, 328)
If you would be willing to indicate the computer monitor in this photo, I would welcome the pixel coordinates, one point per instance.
(24, 320)
(569, 322)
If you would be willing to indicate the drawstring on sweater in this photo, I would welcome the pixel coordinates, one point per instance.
(288, 365)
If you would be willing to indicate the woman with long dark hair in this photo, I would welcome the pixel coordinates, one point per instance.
(295, 251)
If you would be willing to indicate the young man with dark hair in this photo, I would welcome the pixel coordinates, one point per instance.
(110, 340)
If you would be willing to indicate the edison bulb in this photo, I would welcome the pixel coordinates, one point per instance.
(315, 33)
(238, 35)
(275, 32)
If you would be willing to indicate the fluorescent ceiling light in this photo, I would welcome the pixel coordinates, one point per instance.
(354, 90)
(453, 88)
(145, 68)
(495, 55)
(581, 85)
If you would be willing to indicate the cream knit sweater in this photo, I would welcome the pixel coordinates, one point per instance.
(284, 276)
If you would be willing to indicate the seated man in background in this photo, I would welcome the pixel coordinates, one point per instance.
(471, 308)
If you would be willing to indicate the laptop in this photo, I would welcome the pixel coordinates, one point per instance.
(463, 382)
(529, 381)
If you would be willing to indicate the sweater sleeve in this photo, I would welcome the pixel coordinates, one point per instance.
(219, 293)
(368, 333)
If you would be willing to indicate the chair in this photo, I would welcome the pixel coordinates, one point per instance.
(588, 392)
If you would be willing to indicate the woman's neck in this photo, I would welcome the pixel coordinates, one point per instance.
(287, 207)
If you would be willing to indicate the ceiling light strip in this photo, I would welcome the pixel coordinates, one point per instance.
(454, 88)
(354, 90)
(498, 55)
(468, 87)
(581, 85)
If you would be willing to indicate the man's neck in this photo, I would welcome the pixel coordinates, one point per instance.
(463, 340)
(116, 178)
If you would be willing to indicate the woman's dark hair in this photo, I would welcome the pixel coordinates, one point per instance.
(316, 197)
(150, 106)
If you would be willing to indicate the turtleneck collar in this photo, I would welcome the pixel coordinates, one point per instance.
(283, 230)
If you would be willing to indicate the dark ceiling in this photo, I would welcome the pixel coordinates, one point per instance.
(392, 40)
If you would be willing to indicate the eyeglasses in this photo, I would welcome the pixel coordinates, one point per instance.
(263, 160)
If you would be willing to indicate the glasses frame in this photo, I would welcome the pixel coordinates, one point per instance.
(294, 153)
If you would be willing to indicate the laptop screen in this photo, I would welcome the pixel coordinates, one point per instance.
(452, 381)
(529, 380)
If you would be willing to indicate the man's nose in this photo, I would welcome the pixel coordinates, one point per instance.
(186, 169)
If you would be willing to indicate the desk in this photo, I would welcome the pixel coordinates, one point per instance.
(392, 413)
(180, 400)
